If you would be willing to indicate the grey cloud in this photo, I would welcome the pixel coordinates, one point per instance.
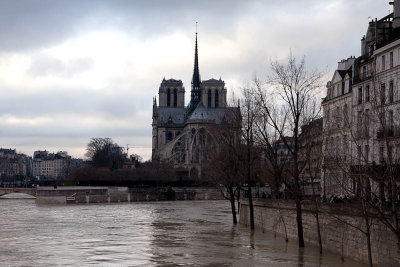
(116, 102)
(31, 25)
(34, 24)
(43, 65)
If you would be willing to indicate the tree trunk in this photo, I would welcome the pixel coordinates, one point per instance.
(317, 217)
(238, 199)
(299, 218)
(251, 207)
(319, 232)
(394, 211)
(368, 234)
(232, 200)
(299, 221)
(249, 186)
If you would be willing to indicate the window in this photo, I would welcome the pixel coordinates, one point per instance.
(168, 97)
(364, 72)
(390, 129)
(360, 95)
(366, 124)
(175, 98)
(391, 59)
(383, 94)
(381, 154)
(169, 136)
(367, 93)
(391, 92)
(366, 153)
(337, 90)
(216, 99)
(345, 115)
(209, 98)
(343, 86)
(359, 122)
(327, 119)
(338, 117)
(383, 63)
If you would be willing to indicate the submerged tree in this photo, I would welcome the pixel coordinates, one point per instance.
(223, 165)
(250, 152)
(296, 90)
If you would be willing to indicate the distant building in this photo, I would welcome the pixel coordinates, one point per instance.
(310, 157)
(14, 167)
(50, 165)
(181, 134)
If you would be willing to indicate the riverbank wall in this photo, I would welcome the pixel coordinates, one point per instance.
(337, 236)
(76, 195)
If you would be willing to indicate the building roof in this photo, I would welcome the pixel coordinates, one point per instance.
(215, 115)
(171, 115)
(213, 80)
(172, 80)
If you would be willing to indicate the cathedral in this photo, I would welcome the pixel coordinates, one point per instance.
(181, 135)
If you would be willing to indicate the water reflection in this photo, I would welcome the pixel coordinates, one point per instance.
(142, 234)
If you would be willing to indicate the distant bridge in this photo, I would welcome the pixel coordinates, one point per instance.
(28, 191)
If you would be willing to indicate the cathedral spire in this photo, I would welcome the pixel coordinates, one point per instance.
(196, 72)
(196, 82)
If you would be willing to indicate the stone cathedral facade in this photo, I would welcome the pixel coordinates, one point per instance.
(181, 135)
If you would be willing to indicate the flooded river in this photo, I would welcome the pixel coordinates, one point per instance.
(190, 233)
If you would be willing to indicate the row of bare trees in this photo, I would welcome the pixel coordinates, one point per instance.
(274, 112)
(270, 113)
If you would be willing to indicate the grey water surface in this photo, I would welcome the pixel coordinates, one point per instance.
(181, 233)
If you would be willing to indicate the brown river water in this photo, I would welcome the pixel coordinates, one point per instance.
(181, 233)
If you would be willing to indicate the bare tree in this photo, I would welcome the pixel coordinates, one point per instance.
(296, 89)
(223, 165)
(311, 157)
(250, 153)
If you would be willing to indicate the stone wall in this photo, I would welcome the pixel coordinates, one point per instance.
(337, 236)
(58, 195)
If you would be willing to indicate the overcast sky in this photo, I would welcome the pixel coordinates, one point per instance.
(72, 70)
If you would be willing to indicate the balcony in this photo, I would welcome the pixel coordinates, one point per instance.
(394, 131)
(362, 77)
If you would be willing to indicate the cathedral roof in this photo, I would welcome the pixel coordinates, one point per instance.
(203, 114)
(173, 80)
(167, 115)
(213, 80)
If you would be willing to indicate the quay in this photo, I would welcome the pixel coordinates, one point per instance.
(89, 194)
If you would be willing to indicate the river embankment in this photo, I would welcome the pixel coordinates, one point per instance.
(86, 194)
(337, 236)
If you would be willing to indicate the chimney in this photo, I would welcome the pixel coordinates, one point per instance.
(396, 13)
(363, 48)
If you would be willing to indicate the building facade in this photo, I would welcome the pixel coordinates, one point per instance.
(51, 165)
(13, 164)
(361, 155)
(336, 133)
(181, 134)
